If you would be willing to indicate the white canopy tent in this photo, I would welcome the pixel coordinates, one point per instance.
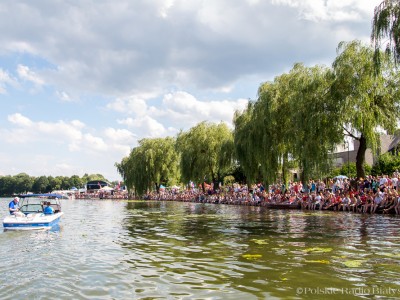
(106, 189)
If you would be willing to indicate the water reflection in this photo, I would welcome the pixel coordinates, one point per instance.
(144, 250)
(251, 250)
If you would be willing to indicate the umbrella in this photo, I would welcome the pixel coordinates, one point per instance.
(341, 177)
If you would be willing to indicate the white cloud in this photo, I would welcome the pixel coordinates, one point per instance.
(77, 124)
(27, 130)
(178, 110)
(181, 106)
(186, 44)
(119, 135)
(145, 125)
(20, 120)
(165, 6)
(25, 73)
(330, 10)
(187, 62)
(94, 143)
(64, 96)
(51, 146)
(131, 105)
(5, 80)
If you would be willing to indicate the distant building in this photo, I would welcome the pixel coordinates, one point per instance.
(347, 152)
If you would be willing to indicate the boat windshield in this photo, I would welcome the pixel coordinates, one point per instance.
(31, 208)
(35, 203)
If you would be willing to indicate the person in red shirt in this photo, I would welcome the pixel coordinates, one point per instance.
(337, 201)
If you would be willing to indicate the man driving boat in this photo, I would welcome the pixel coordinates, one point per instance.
(13, 207)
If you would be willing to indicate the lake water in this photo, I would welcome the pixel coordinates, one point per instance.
(108, 249)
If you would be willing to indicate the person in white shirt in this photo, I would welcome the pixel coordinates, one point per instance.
(395, 180)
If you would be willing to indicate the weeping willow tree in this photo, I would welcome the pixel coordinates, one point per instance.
(386, 28)
(297, 122)
(123, 169)
(292, 119)
(369, 101)
(152, 163)
(271, 124)
(245, 140)
(206, 152)
(315, 130)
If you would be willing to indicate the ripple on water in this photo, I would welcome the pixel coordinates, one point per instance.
(144, 250)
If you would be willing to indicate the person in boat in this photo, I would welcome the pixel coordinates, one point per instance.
(48, 210)
(13, 207)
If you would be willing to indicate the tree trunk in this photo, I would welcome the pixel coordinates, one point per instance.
(284, 169)
(360, 159)
(304, 175)
(216, 181)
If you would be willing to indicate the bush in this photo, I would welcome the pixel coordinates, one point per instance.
(229, 180)
(386, 164)
(349, 170)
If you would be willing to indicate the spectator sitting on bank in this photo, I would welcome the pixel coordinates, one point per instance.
(378, 198)
(345, 203)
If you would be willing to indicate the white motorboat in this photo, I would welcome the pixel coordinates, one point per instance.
(32, 206)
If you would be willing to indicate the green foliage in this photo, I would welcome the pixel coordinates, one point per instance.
(346, 169)
(367, 168)
(315, 130)
(206, 152)
(152, 163)
(349, 170)
(8, 185)
(386, 164)
(23, 183)
(246, 141)
(92, 177)
(291, 122)
(386, 28)
(229, 180)
(40, 185)
(76, 181)
(367, 99)
(237, 172)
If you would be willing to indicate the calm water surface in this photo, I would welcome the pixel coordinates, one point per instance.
(107, 249)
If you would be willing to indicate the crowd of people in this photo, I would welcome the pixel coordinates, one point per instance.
(373, 194)
(96, 194)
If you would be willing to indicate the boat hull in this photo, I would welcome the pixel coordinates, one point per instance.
(32, 221)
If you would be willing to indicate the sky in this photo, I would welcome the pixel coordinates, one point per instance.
(81, 82)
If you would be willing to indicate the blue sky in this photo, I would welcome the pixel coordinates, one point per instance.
(82, 81)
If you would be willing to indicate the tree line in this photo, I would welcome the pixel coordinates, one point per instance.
(23, 183)
(297, 121)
